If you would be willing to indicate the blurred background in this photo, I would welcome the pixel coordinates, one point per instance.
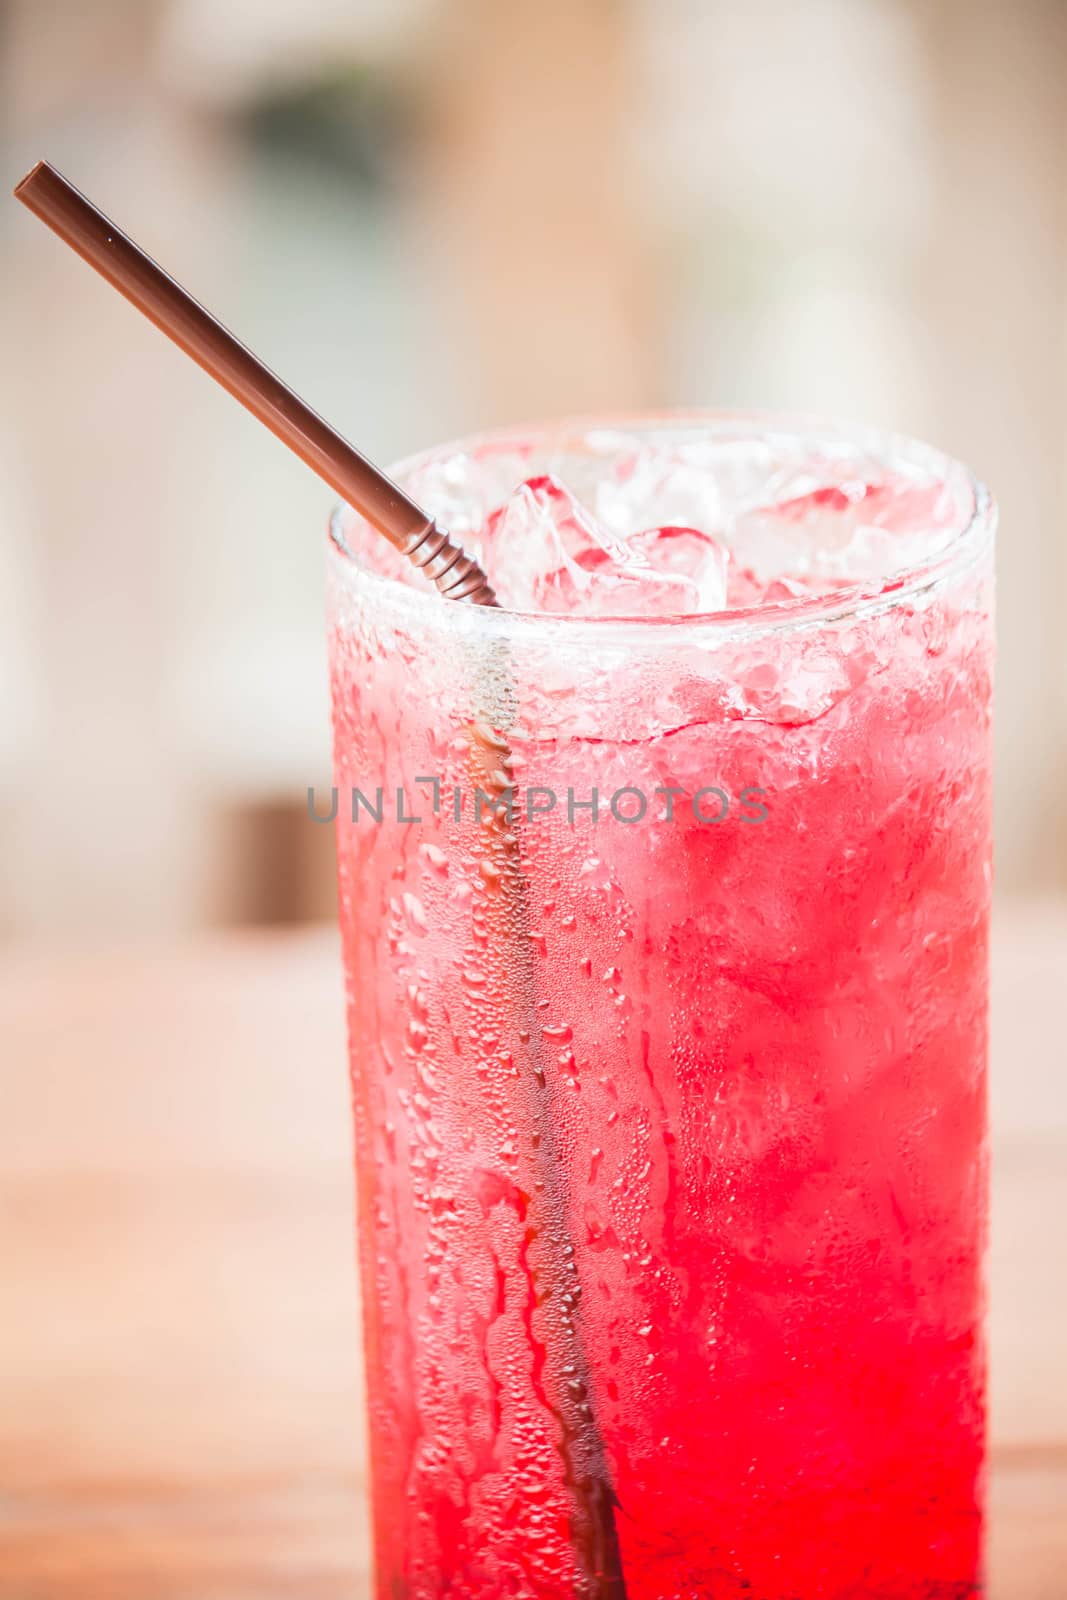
(430, 216)
(438, 215)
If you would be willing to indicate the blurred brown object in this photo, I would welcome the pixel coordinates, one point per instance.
(271, 867)
(180, 1394)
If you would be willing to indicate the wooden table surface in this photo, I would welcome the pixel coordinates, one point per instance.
(180, 1403)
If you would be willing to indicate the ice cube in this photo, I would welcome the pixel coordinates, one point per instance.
(855, 527)
(690, 554)
(547, 553)
(746, 589)
(461, 489)
(654, 488)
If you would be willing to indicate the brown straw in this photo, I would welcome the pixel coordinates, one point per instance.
(593, 1530)
(125, 265)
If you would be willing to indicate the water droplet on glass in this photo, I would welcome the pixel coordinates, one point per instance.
(436, 857)
(416, 913)
(418, 1035)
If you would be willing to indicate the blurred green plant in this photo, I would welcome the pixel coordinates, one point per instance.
(355, 122)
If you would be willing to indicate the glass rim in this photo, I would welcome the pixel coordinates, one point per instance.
(860, 598)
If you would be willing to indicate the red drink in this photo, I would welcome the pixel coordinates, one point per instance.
(671, 1127)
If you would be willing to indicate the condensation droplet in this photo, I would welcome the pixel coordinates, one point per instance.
(416, 913)
(436, 857)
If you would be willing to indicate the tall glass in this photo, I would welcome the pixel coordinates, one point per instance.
(669, 1085)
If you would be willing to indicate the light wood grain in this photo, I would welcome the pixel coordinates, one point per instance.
(180, 1400)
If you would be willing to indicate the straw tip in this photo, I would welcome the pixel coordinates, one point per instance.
(36, 172)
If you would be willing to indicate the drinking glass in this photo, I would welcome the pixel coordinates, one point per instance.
(666, 955)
